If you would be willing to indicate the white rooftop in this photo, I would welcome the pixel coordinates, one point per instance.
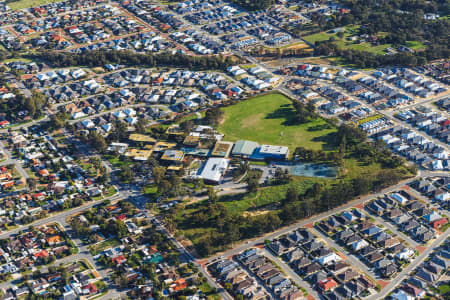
(214, 169)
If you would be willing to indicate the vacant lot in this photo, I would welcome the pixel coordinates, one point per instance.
(364, 46)
(21, 4)
(344, 43)
(270, 119)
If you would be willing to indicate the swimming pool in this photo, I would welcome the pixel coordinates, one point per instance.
(314, 170)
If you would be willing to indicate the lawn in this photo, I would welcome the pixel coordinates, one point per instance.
(343, 43)
(21, 4)
(269, 119)
(111, 192)
(97, 248)
(116, 162)
(151, 191)
(365, 46)
(377, 49)
(444, 289)
(444, 227)
(415, 45)
(238, 204)
(210, 293)
(318, 37)
(353, 168)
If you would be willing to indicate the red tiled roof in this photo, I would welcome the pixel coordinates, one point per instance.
(327, 284)
(42, 253)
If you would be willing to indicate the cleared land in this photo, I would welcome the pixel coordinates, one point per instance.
(343, 43)
(264, 200)
(364, 46)
(270, 119)
(21, 4)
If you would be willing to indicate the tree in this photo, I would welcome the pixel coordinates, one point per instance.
(164, 187)
(159, 173)
(254, 4)
(141, 125)
(102, 179)
(31, 182)
(228, 286)
(118, 228)
(303, 113)
(97, 141)
(291, 195)
(187, 126)
(362, 185)
(122, 282)
(281, 177)
(126, 174)
(213, 116)
(96, 162)
(310, 107)
(252, 184)
(120, 132)
(212, 196)
(35, 103)
(176, 184)
(58, 120)
(349, 135)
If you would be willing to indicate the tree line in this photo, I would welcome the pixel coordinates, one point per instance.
(34, 105)
(227, 228)
(254, 4)
(366, 59)
(100, 58)
(402, 20)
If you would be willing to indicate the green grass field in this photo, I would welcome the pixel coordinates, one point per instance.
(415, 45)
(238, 204)
(444, 289)
(97, 248)
(318, 37)
(346, 44)
(343, 43)
(269, 119)
(21, 4)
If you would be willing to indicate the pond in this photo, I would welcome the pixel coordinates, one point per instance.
(314, 170)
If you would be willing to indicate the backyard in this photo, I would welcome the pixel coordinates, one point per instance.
(269, 119)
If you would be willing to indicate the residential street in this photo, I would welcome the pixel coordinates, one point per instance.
(10, 161)
(294, 276)
(352, 259)
(416, 262)
(59, 217)
(302, 223)
(156, 112)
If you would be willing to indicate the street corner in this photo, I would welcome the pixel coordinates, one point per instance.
(202, 262)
